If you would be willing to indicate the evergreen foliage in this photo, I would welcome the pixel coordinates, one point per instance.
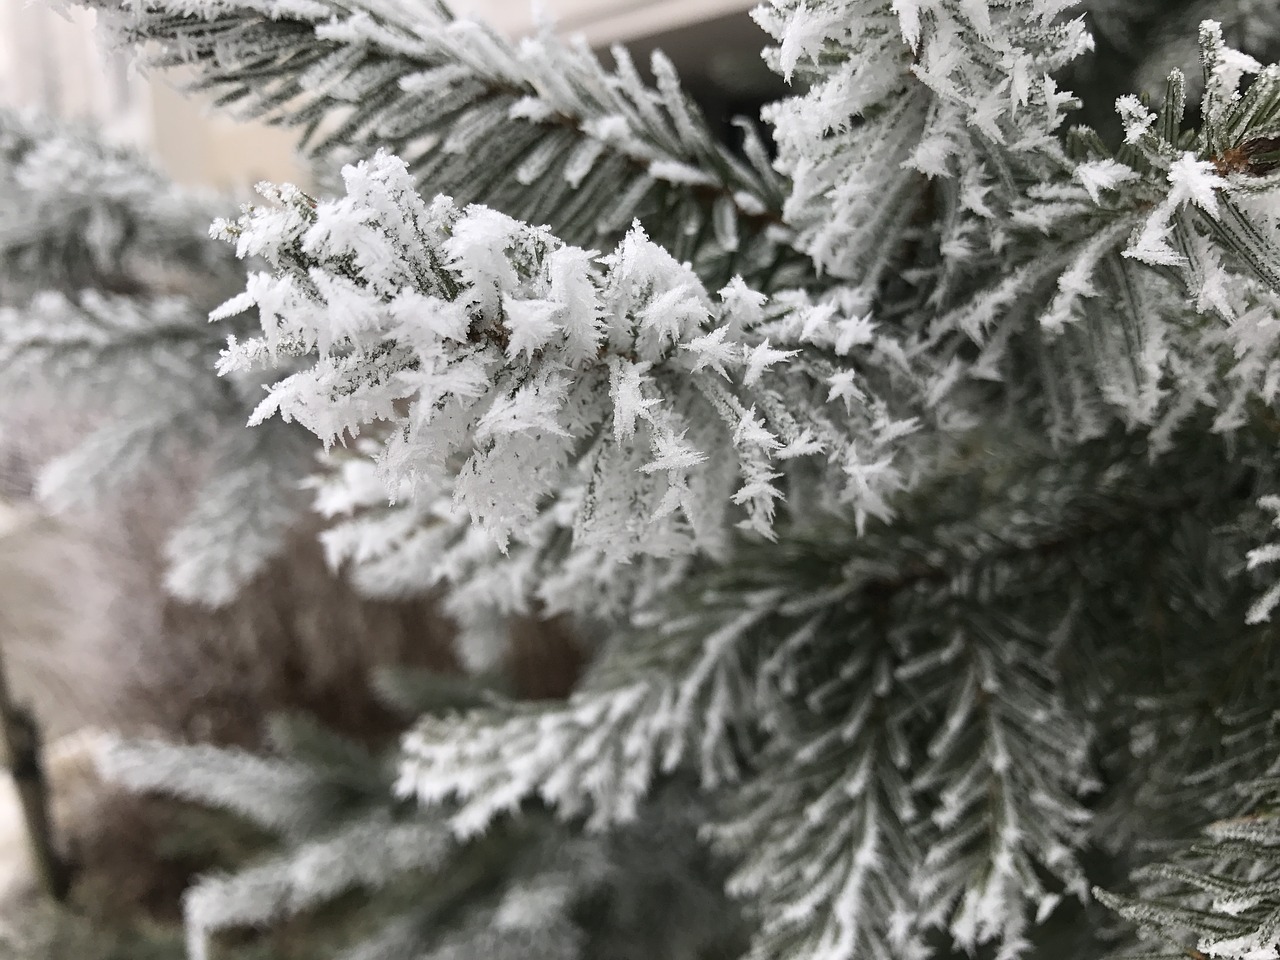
(1219, 895)
(567, 141)
(530, 888)
(109, 275)
(917, 487)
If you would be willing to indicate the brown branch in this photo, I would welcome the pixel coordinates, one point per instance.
(21, 735)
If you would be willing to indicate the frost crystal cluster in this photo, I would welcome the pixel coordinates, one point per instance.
(521, 375)
(911, 482)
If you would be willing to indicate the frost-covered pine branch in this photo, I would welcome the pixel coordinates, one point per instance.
(1220, 897)
(898, 93)
(510, 371)
(532, 890)
(566, 141)
(1144, 43)
(883, 715)
(1035, 245)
